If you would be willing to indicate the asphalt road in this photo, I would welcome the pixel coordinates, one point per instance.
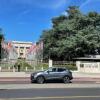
(51, 94)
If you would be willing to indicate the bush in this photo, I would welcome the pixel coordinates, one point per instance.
(69, 66)
(23, 65)
(42, 65)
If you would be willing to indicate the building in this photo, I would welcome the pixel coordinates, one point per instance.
(21, 48)
(89, 64)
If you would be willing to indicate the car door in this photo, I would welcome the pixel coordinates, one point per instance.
(60, 72)
(51, 73)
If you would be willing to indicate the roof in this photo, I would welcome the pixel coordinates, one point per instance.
(91, 58)
(22, 42)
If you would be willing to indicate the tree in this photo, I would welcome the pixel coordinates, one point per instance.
(71, 36)
(58, 20)
(73, 11)
(1, 39)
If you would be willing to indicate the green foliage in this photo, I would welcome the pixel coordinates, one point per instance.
(41, 65)
(23, 64)
(70, 67)
(1, 38)
(74, 35)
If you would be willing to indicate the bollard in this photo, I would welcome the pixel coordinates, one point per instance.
(9, 68)
(26, 68)
(42, 68)
(13, 69)
(0, 69)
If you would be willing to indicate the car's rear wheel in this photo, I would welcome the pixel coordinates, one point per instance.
(32, 81)
(66, 79)
(40, 79)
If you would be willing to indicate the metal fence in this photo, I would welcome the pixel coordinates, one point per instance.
(66, 64)
(33, 65)
(7, 66)
(25, 65)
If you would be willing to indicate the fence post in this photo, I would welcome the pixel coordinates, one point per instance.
(13, 69)
(42, 64)
(26, 68)
(34, 68)
(8, 68)
(0, 68)
(50, 63)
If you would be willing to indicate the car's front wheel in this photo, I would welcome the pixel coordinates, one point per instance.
(66, 79)
(32, 81)
(40, 79)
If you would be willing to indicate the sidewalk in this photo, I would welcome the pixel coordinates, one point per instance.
(86, 75)
(14, 74)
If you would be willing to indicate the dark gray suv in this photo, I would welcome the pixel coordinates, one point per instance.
(53, 73)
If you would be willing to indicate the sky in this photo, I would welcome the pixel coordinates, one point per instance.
(24, 20)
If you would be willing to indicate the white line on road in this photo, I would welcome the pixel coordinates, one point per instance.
(53, 97)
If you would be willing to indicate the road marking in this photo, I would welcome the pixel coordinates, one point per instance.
(55, 97)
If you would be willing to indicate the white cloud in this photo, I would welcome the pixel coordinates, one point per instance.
(25, 12)
(52, 4)
(65, 13)
(22, 1)
(87, 2)
(21, 14)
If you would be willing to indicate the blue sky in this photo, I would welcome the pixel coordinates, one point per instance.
(24, 20)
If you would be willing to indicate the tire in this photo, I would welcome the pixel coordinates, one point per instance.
(40, 79)
(32, 81)
(66, 79)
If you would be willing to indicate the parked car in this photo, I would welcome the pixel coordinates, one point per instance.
(53, 73)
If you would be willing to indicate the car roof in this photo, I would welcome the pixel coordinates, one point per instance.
(59, 67)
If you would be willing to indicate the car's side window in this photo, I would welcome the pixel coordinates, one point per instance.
(50, 69)
(61, 69)
(54, 70)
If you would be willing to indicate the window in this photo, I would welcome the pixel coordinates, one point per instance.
(27, 47)
(61, 69)
(52, 70)
(21, 54)
(16, 46)
(82, 65)
(21, 47)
